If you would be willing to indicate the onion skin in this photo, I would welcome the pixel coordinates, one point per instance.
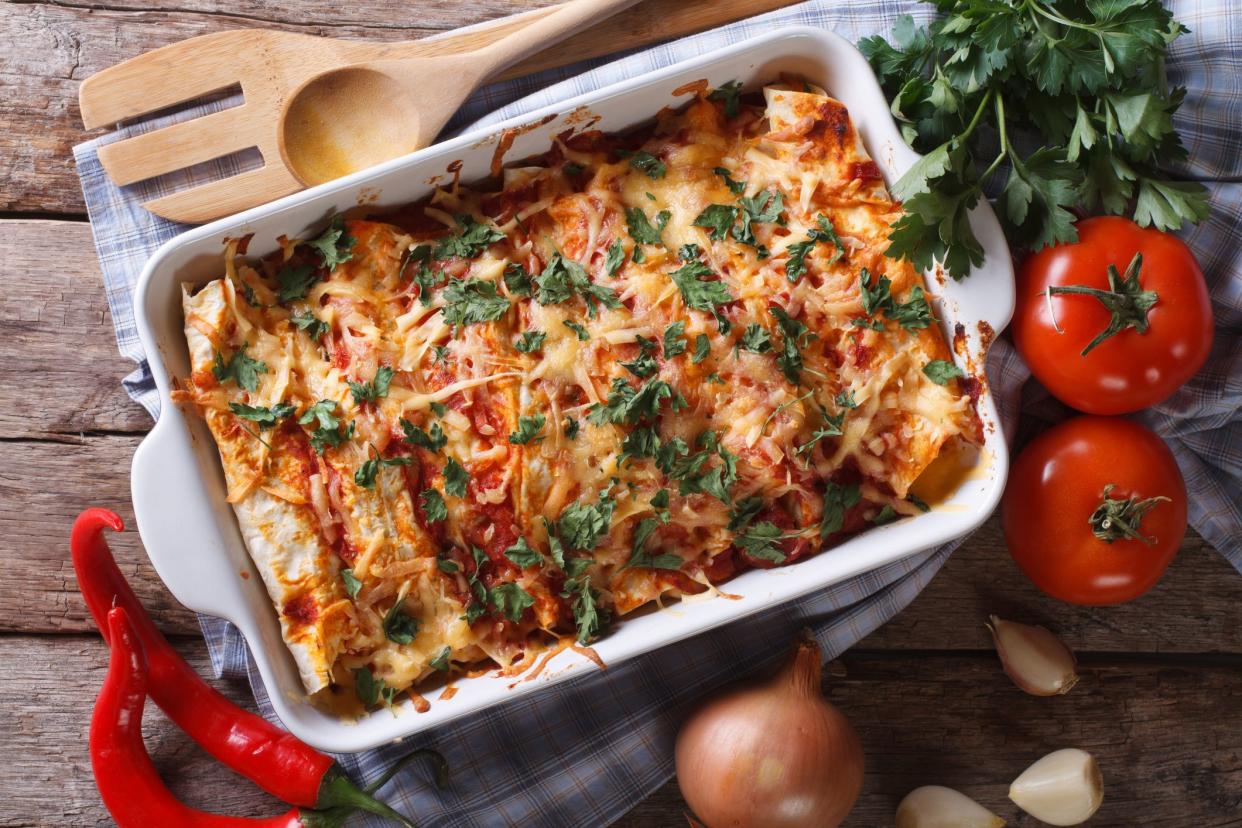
(771, 753)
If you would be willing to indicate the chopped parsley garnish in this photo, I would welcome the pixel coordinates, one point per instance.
(918, 503)
(756, 338)
(796, 264)
(439, 354)
(764, 206)
(689, 251)
(831, 428)
(838, 500)
(845, 399)
(511, 600)
(641, 442)
(448, 566)
(579, 329)
(730, 94)
(718, 219)
(307, 321)
(912, 314)
(438, 408)
(696, 292)
(264, 417)
(760, 540)
(794, 337)
(674, 341)
(648, 163)
(528, 430)
(702, 347)
(441, 661)
(571, 428)
(735, 187)
(940, 371)
(352, 585)
(327, 431)
(473, 240)
(433, 505)
(249, 295)
(615, 258)
(371, 391)
(589, 617)
(432, 440)
(563, 278)
(639, 557)
(660, 499)
(419, 254)
(642, 230)
(334, 244)
(369, 470)
(522, 554)
(645, 364)
(293, 282)
(693, 472)
(240, 368)
(572, 168)
(399, 627)
(581, 525)
(886, 515)
(372, 690)
(529, 341)
(744, 512)
(517, 280)
(628, 405)
(455, 478)
(471, 301)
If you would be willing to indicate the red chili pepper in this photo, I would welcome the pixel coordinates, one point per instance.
(272, 758)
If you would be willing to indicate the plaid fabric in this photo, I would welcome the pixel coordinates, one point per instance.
(585, 751)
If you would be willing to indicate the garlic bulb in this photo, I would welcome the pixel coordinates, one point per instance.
(1063, 788)
(933, 806)
(1035, 659)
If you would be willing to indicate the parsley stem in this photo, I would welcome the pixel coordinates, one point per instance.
(1035, 6)
(1004, 140)
(974, 121)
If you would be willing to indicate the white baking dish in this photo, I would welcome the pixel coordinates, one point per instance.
(189, 530)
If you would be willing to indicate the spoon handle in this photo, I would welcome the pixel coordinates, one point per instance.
(569, 19)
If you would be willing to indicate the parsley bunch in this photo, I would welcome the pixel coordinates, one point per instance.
(1081, 81)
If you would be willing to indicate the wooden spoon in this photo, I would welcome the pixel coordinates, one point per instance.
(353, 117)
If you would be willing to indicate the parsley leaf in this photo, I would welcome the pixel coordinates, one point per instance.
(695, 473)
(240, 368)
(399, 627)
(327, 431)
(307, 321)
(735, 187)
(529, 341)
(886, 515)
(615, 258)
(795, 266)
(372, 690)
(471, 301)
(563, 278)
(702, 347)
(642, 230)
(639, 557)
(516, 279)
(265, 417)
(831, 427)
(838, 500)
(334, 244)
(760, 540)
(371, 391)
(698, 293)
(522, 554)
(718, 219)
(434, 506)
(441, 661)
(648, 163)
(941, 371)
(432, 440)
(571, 427)
(642, 367)
(628, 405)
(588, 616)
(527, 430)
(845, 399)
(473, 240)
(455, 478)
(674, 342)
(294, 282)
(581, 525)
(352, 585)
(689, 251)
(511, 600)
(579, 329)
(794, 337)
(369, 470)
(756, 338)
(730, 94)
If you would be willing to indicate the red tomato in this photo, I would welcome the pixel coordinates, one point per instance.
(1056, 487)
(1134, 368)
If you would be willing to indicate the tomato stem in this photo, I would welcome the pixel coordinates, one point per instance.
(1115, 518)
(1125, 299)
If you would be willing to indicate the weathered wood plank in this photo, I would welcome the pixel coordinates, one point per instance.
(43, 486)
(1167, 737)
(57, 345)
(51, 47)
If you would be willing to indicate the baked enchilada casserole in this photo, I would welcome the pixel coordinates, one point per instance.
(492, 423)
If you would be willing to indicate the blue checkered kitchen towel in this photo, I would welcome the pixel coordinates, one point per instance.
(584, 752)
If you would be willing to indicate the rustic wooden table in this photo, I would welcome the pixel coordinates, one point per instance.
(1160, 702)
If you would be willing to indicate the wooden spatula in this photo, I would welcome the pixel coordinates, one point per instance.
(271, 65)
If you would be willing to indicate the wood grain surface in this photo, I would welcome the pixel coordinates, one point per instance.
(1160, 702)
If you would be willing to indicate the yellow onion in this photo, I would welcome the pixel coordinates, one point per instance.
(771, 753)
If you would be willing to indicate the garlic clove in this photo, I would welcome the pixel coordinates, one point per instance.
(1064, 788)
(934, 806)
(1033, 658)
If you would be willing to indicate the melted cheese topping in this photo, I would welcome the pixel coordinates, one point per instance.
(773, 408)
